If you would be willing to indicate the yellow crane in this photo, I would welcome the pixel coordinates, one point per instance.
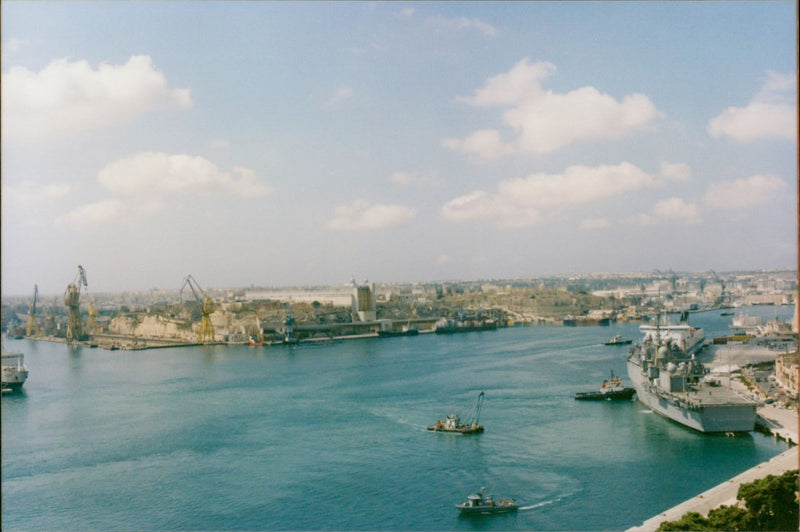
(205, 332)
(72, 301)
(32, 329)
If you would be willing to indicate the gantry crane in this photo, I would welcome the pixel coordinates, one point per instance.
(205, 333)
(72, 301)
(32, 328)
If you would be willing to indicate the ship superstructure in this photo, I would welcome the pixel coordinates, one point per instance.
(669, 379)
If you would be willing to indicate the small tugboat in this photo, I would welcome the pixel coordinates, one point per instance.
(482, 503)
(453, 423)
(617, 339)
(611, 389)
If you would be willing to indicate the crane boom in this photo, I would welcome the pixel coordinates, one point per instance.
(194, 287)
(476, 412)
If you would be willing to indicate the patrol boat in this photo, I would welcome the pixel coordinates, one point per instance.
(670, 380)
(482, 503)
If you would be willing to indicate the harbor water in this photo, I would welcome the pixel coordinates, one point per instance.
(333, 436)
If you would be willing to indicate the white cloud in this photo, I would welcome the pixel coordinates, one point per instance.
(577, 185)
(485, 143)
(363, 215)
(677, 209)
(12, 45)
(595, 223)
(533, 199)
(67, 97)
(772, 114)
(404, 178)
(640, 219)
(676, 171)
(463, 23)
(745, 192)
(92, 214)
(545, 121)
(219, 144)
(341, 94)
(152, 175)
(405, 13)
(27, 195)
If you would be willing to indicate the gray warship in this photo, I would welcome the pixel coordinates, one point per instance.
(669, 379)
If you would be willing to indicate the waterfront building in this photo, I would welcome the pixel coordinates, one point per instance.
(363, 302)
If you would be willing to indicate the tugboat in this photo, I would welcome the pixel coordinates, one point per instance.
(617, 339)
(610, 390)
(453, 423)
(482, 503)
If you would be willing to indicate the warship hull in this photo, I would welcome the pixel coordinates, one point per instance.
(705, 408)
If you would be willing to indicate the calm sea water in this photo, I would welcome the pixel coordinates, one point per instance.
(333, 436)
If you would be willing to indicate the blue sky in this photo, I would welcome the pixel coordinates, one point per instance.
(281, 143)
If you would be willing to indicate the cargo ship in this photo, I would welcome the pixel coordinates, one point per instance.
(669, 379)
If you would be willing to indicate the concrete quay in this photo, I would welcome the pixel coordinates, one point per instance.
(724, 493)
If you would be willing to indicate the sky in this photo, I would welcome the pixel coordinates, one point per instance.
(288, 144)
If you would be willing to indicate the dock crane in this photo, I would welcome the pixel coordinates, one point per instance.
(72, 301)
(32, 329)
(206, 331)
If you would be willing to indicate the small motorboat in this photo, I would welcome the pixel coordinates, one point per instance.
(482, 503)
(611, 389)
(617, 339)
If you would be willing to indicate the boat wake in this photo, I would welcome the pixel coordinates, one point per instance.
(534, 506)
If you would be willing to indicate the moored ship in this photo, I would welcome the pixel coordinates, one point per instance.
(461, 325)
(670, 380)
(15, 373)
